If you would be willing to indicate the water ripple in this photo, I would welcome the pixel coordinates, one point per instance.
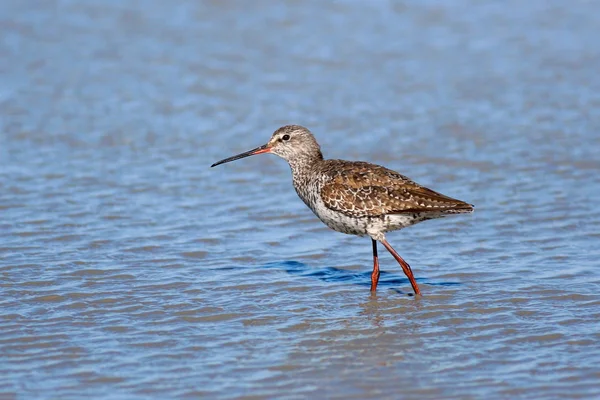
(130, 269)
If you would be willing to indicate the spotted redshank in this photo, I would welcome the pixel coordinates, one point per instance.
(355, 197)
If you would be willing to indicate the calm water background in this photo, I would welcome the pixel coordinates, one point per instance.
(129, 269)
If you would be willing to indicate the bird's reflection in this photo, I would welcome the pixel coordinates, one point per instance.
(381, 309)
(372, 310)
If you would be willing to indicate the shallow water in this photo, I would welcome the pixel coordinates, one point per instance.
(131, 270)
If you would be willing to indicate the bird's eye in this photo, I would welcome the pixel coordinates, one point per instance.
(286, 137)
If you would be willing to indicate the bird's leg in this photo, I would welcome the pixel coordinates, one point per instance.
(375, 274)
(404, 265)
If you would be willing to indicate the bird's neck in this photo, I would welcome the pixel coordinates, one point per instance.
(303, 162)
(304, 177)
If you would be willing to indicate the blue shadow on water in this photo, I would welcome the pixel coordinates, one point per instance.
(335, 274)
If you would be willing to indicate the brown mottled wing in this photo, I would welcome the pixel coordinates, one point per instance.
(361, 189)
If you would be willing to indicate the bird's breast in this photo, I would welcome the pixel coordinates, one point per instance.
(310, 193)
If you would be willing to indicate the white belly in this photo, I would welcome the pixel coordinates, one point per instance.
(338, 221)
(371, 226)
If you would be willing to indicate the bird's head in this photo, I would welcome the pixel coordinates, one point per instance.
(290, 142)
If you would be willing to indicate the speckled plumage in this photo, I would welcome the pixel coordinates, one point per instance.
(356, 197)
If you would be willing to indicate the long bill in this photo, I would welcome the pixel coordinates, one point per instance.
(259, 150)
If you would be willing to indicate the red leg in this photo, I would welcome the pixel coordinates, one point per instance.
(375, 274)
(404, 265)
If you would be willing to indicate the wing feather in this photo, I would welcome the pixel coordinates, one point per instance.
(375, 191)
